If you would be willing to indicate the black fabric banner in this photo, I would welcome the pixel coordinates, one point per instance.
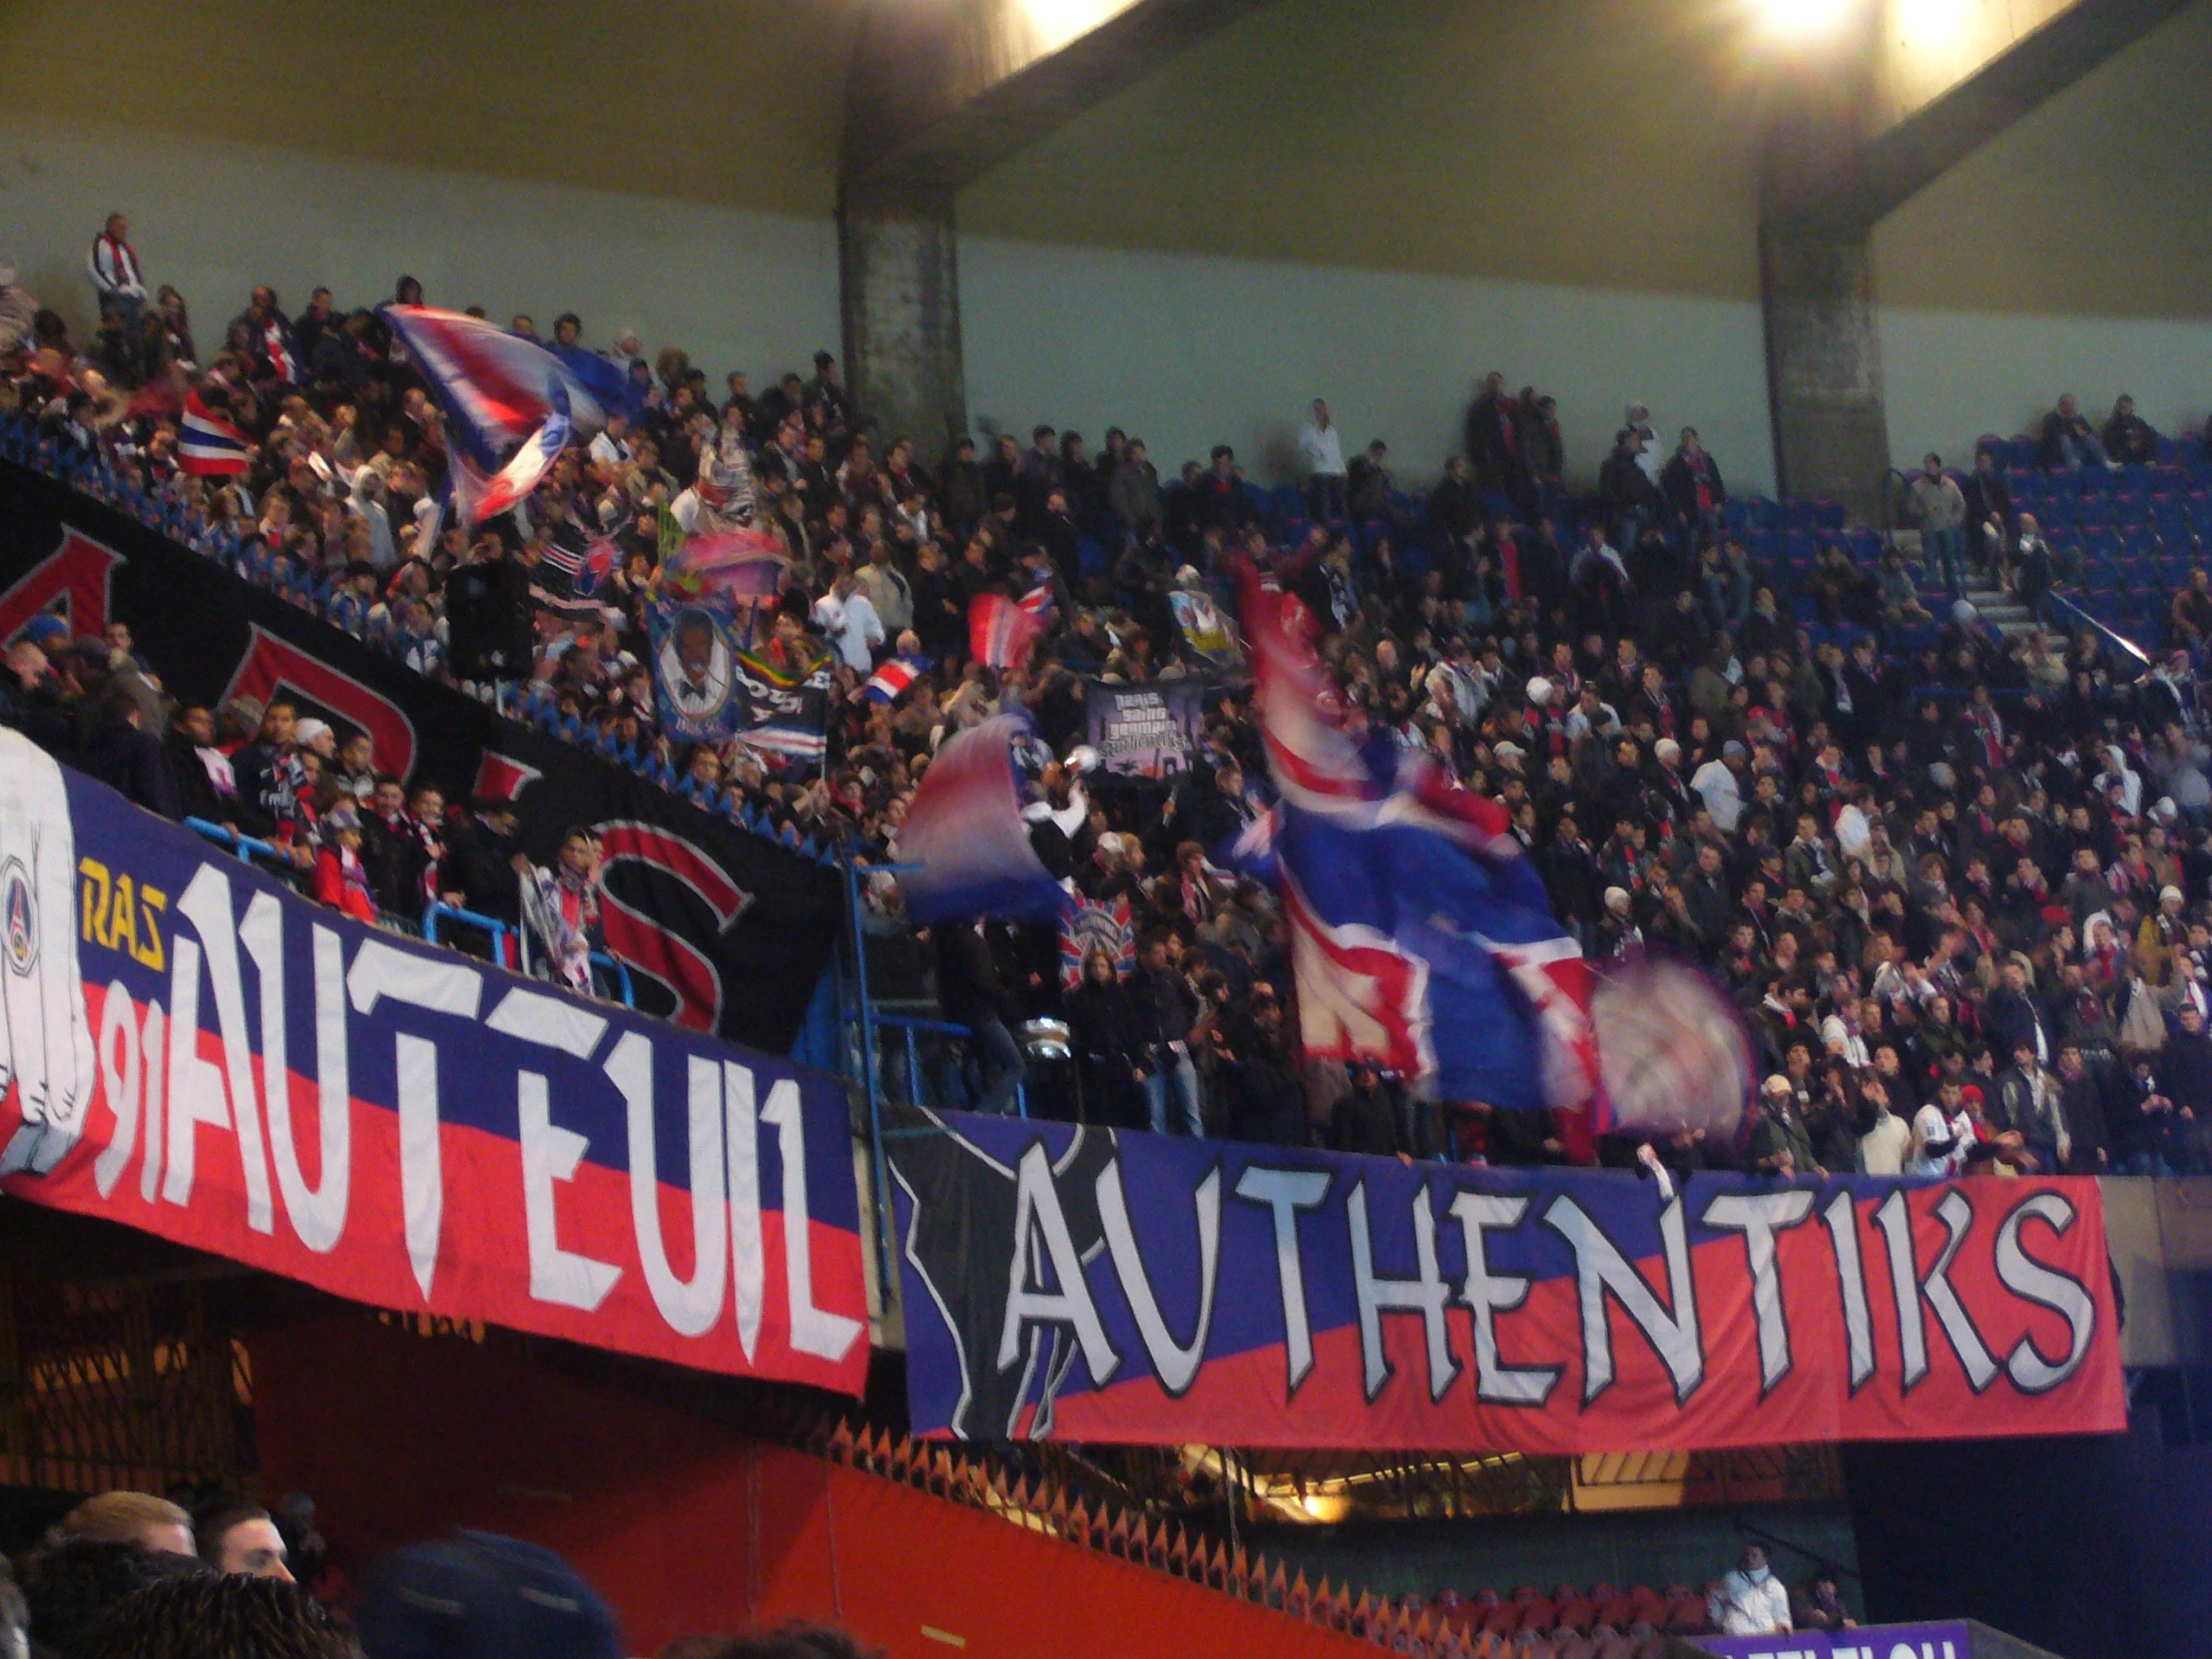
(724, 930)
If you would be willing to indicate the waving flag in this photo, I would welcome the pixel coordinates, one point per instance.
(965, 832)
(747, 565)
(1420, 937)
(1250, 851)
(495, 389)
(893, 680)
(207, 447)
(1094, 925)
(1001, 634)
(480, 498)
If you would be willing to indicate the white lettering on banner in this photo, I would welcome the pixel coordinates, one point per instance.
(550, 1157)
(691, 1305)
(194, 1086)
(1841, 1220)
(1600, 1268)
(317, 1213)
(120, 1070)
(1487, 1295)
(206, 903)
(1286, 1192)
(156, 1049)
(1425, 1294)
(748, 1253)
(2062, 1294)
(1175, 1365)
(381, 970)
(551, 1154)
(814, 1330)
(1038, 1219)
(1896, 1221)
(1759, 1217)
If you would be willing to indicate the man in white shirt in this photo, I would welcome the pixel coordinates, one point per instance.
(852, 624)
(1322, 447)
(1639, 422)
(1750, 1601)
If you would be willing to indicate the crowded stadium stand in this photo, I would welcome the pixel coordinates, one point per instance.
(692, 962)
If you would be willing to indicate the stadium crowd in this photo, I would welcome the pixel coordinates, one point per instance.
(1957, 883)
(129, 1575)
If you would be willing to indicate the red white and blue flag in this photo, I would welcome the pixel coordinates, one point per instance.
(207, 447)
(893, 680)
(495, 388)
(1421, 936)
(965, 833)
(1002, 633)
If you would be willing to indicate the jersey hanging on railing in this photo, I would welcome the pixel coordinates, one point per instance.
(1096, 1285)
(190, 1049)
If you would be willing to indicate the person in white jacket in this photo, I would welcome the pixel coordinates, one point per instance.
(113, 266)
(1750, 1601)
(45, 1037)
(1321, 446)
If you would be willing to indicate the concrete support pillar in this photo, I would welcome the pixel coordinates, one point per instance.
(1823, 364)
(899, 260)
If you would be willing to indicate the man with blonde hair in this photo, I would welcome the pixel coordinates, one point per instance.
(139, 1520)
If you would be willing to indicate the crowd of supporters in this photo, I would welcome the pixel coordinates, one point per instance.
(1957, 883)
(129, 1575)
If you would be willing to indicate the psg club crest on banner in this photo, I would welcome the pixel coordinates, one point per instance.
(1095, 926)
(21, 916)
(695, 653)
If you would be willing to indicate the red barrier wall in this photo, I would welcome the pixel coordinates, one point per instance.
(688, 1525)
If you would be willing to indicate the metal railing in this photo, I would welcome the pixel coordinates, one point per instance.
(247, 847)
(435, 916)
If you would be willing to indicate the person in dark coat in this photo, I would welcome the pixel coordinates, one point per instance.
(127, 758)
(1109, 1045)
(1692, 485)
(1267, 1096)
(974, 993)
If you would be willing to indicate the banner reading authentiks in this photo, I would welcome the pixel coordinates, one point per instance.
(190, 1049)
(1094, 1285)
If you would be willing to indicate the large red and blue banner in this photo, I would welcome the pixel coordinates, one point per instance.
(1080, 1283)
(723, 930)
(191, 1049)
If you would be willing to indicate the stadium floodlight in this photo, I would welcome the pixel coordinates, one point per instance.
(1805, 20)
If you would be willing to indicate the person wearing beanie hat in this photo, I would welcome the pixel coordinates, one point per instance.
(477, 1595)
(1539, 692)
(340, 880)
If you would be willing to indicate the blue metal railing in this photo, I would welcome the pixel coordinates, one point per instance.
(434, 916)
(245, 847)
(621, 971)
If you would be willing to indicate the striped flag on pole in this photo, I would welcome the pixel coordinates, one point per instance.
(207, 447)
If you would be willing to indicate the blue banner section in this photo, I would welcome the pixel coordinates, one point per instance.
(1098, 1284)
(191, 1049)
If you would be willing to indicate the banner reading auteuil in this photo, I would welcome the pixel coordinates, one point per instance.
(190, 1049)
(1092, 1284)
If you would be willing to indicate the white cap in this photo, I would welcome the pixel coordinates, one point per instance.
(306, 730)
(1667, 749)
(1617, 898)
(1539, 690)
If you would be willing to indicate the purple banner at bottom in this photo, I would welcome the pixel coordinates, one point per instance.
(1877, 1641)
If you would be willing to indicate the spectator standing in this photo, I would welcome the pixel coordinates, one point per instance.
(1320, 446)
(1750, 1601)
(1988, 513)
(1938, 506)
(117, 279)
(1691, 482)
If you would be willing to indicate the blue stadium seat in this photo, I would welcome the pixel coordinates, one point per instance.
(1830, 515)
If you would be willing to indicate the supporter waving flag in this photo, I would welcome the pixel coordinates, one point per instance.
(1001, 633)
(893, 680)
(1420, 937)
(480, 498)
(207, 447)
(965, 833)
(495, 388)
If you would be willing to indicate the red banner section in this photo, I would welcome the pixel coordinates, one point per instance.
(190, 1049)
(1093, 1284)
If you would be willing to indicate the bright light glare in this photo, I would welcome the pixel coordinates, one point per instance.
(1804, 19)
